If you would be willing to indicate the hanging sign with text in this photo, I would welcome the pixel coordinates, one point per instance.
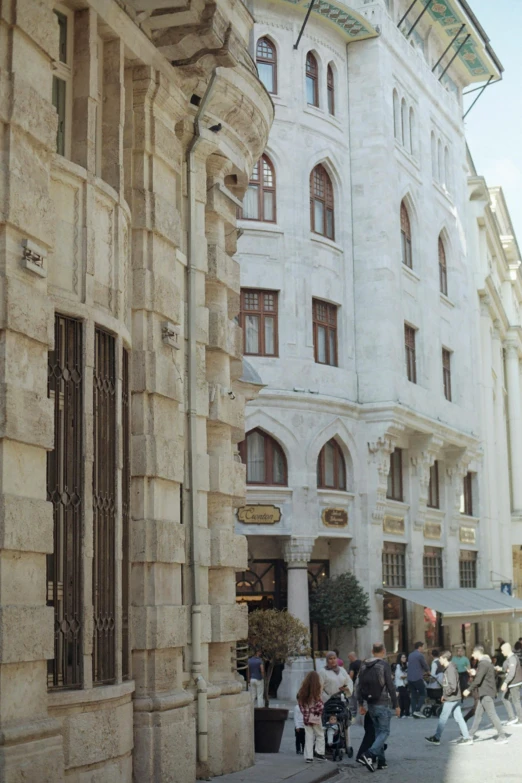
(335, 517)
(259, 515)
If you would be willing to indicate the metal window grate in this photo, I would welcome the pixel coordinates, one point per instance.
(468, 569)
(104, 509)
(432, 563)
(394, 565)
(125, 513)
(64, 491)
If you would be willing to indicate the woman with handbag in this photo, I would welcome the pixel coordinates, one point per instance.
(309, 700)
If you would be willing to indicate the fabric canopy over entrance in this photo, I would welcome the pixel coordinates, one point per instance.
(464, 605)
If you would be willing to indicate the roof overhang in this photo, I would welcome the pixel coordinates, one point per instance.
(352, 24)
(463, 605)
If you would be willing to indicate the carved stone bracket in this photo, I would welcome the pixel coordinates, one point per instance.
(422, 461)
(380, 451)
(455, 471)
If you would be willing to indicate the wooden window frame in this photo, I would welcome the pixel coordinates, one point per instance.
(270, 445)
(446, 373)
(410, 349)
(433, 567)
(325, 196)
(434, 487)
(339, 468)
(64, 71)
(443, 268)
(406, 247)
(312, 74)
(394, 565)
(394, 492)
(261, 312)
(468, 568)
(268, 61)
(262, 187)
(330, 90)
(467, 493)
(330, 325)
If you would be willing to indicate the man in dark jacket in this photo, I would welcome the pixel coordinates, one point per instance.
(376, 688)
(485, 682)
(512, 685)
(451, 697)
(417, 668)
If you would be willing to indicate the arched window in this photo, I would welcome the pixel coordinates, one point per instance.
(321, 202)
(312, 80)
(259, 202)
(446, 168)
(266, 60)
(412, 131)
(406, 237)
(264, 459)
(433, 156)
(443, 269)
(331, 469)
(330, 87)
(396, 116)
(404, 123)
(440, 162)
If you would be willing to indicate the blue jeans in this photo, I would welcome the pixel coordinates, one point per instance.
(451, 708)
(381, 717)
(418, 694)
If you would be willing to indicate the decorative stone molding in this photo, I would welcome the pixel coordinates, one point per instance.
(422, 460)
(33, 258)
(297, 551)
(380, 451)
(455, 471)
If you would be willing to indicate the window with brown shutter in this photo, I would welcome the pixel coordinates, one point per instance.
(395, 490)
(407, 258)
(259, 201)
(446, 373)
(411, 359)
(264, 459)
(258, 319)
(331, 468)
(433, 488)
(324, 317)
(330, 88)
(312, 80)
(321, 203)
(443, 269)
(266, 61)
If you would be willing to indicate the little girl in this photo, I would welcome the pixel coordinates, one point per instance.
(309, 700)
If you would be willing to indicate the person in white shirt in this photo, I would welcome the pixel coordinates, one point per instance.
(401, 684)
(299, 729)
(334, 679)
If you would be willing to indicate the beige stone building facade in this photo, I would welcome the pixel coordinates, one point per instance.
(128, 130)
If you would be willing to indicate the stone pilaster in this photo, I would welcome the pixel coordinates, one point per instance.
(297, 552)
(422, 459)
(514, 401)
(456, 469)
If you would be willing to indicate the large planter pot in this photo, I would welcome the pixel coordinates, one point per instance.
(269, 724)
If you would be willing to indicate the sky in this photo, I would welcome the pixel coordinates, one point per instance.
(494, 125)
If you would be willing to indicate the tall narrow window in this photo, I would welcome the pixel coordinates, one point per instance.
(446, 373)
(446, 168)
(330, 86)
(404, 124)
(396, 116)
(466, 503)
(125, 514)
(312, 80)
(433, 156)
(331, 469)
(104, 509)
(407, 258)
(264, 458)
(394, 565)
(62, 81)
(440, 163)
(443, 269)
(433, 488)
(410, 351)
(266, 61)
(259, 202)
(468, 568)
(258, 319)
(321, 203)
(394, 490)
(324, 316)
(411, 128)
(432, 566)
(65, 492)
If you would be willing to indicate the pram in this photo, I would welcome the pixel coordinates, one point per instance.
(433, 704)
(337, 742)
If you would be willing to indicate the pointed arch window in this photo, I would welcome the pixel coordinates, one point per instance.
(330, 88)
(404, 124)
(312, 80)
(443, 269)
(396, 117)
(266, 61)
(264, 458)
(406, 237)
(321, 203)
(331, 467)
(259, 202)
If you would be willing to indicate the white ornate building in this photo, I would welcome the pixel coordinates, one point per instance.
(359, 313)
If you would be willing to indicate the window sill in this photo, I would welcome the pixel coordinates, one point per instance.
(66, 698)
(342, 494)
(443, 191)
(259, 225)
(410, 273)
(446, 301)
(467, 519)
(398, 505)
(317, 111)
(436, 513)
(273, 490)
(325, 241)
(412, 159)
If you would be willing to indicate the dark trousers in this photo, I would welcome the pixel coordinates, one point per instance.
(369, 736)
(486, 705)
(463, 681)
(404, 700)
(299, 740)
(418, 694)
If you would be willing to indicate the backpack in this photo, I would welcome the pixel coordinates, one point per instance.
(371, 682)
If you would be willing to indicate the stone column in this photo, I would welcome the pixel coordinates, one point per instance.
(515, 422)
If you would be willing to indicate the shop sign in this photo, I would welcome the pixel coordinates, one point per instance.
(467, 535)
(259, 515)
(432, 530)
(335, 517)
(393, 525)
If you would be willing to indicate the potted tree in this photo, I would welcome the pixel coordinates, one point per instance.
(339, 602)
(279, 636)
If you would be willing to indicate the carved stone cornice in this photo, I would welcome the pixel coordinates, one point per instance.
(297, 551)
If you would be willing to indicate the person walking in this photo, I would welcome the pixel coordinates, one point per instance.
(376, 688)
(512, 685)
(311, 706)
(299, 729)
(417, 668)
(401, 684)
(451, 698)
(256, 678)
(484, 682)
(334, 678)
(434, 684)
(462, 663)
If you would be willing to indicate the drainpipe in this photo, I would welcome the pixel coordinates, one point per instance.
(196, 669)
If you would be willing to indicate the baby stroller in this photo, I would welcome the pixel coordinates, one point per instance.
(337, 735)
(433, 704)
